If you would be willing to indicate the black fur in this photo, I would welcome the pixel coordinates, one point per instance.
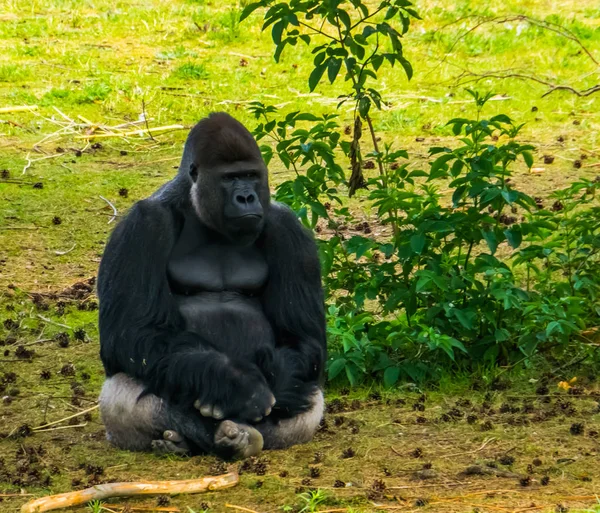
(142, 332)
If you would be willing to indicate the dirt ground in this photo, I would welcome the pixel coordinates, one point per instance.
(530, 448)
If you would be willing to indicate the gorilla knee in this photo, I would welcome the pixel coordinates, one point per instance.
(130, 423)
(297, 430)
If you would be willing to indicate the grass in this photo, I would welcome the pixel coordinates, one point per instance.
(173, 62)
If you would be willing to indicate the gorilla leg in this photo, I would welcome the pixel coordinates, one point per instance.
(295, 430)
(148, 423)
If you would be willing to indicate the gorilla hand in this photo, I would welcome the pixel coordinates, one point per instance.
(243, 395)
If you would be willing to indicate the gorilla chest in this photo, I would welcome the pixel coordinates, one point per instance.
(217, 288)
(217, 268)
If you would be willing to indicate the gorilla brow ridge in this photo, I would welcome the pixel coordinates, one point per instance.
(220, 139)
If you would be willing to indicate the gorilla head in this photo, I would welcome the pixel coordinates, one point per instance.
(230, 189)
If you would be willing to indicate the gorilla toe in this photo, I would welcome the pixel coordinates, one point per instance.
(172, 443)
(237, 441)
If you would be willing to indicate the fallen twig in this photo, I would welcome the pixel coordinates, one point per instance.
(485, 443)
(42, 427)
(67, 251)
(50, 321)
(240, 508)
(140, 132)
(438, 485)
(104, 491)
(58, 428)
(115, 213)
(20, 108)
(174, 509)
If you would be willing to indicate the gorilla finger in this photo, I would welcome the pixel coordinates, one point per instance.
(206, 410)
(173, 436)
(268, 411)
(217, 413)
(197, 404)
(256, 419)
(273, 400)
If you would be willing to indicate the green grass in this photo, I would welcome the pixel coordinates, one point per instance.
(107, 62)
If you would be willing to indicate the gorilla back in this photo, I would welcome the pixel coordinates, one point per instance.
(210, 296)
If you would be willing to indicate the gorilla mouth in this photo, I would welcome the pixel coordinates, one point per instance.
(247, 216)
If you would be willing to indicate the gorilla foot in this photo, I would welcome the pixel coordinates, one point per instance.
(237, 441)
(172, 443)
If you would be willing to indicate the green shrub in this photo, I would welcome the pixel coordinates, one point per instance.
(429, 291)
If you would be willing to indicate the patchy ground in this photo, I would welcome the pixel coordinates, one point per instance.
(530, 449)
(100, 63)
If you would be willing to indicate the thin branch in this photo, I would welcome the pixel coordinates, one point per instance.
(115, 213)
(50, 321)
(49, 424)
(67, 251)
(501, 74)
(146, 120)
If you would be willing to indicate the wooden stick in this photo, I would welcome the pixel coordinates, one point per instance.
(240, 508)
(142, 508)
(19, 108)
(105, 491)
(140, 132)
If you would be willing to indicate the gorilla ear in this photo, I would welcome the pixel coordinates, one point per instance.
(193, 172)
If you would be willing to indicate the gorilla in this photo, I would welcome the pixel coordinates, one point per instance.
(212, 322)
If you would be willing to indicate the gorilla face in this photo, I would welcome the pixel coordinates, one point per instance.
(230, 186)
(231, 199)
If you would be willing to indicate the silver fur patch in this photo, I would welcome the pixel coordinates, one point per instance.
(130, 424)
(297, 430)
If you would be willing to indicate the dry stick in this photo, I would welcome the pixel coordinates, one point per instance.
(115, 213)
(66, 418)
(57, 428)
(240, 508)
(439, 485)
(50, 321)
(139, 132)
(142, 508)
(60, 253)
(4, 110)
(470, 452)
(104, 491)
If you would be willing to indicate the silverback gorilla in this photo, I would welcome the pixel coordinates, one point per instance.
(212, 325)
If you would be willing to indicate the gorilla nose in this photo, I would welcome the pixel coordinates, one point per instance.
(245, 198)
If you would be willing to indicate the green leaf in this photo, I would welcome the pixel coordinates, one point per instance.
(514, 236)
(490, 238)
(528, 158)
(249, 9)
(344, 18)
(318, 209)
(336, 367)
(417, 243)
(333, 68)
(352, 374)
(316, 75)
(407, 68)
(390, 376)
(466, 318)
(277, 31)
(458, 194)
(501, 118)
(423, 282)
(552, 327)
(509, 195)
(359, 245)
(364, 105)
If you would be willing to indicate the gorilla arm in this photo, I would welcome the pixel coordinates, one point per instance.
(293, 301)
(143, 334)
